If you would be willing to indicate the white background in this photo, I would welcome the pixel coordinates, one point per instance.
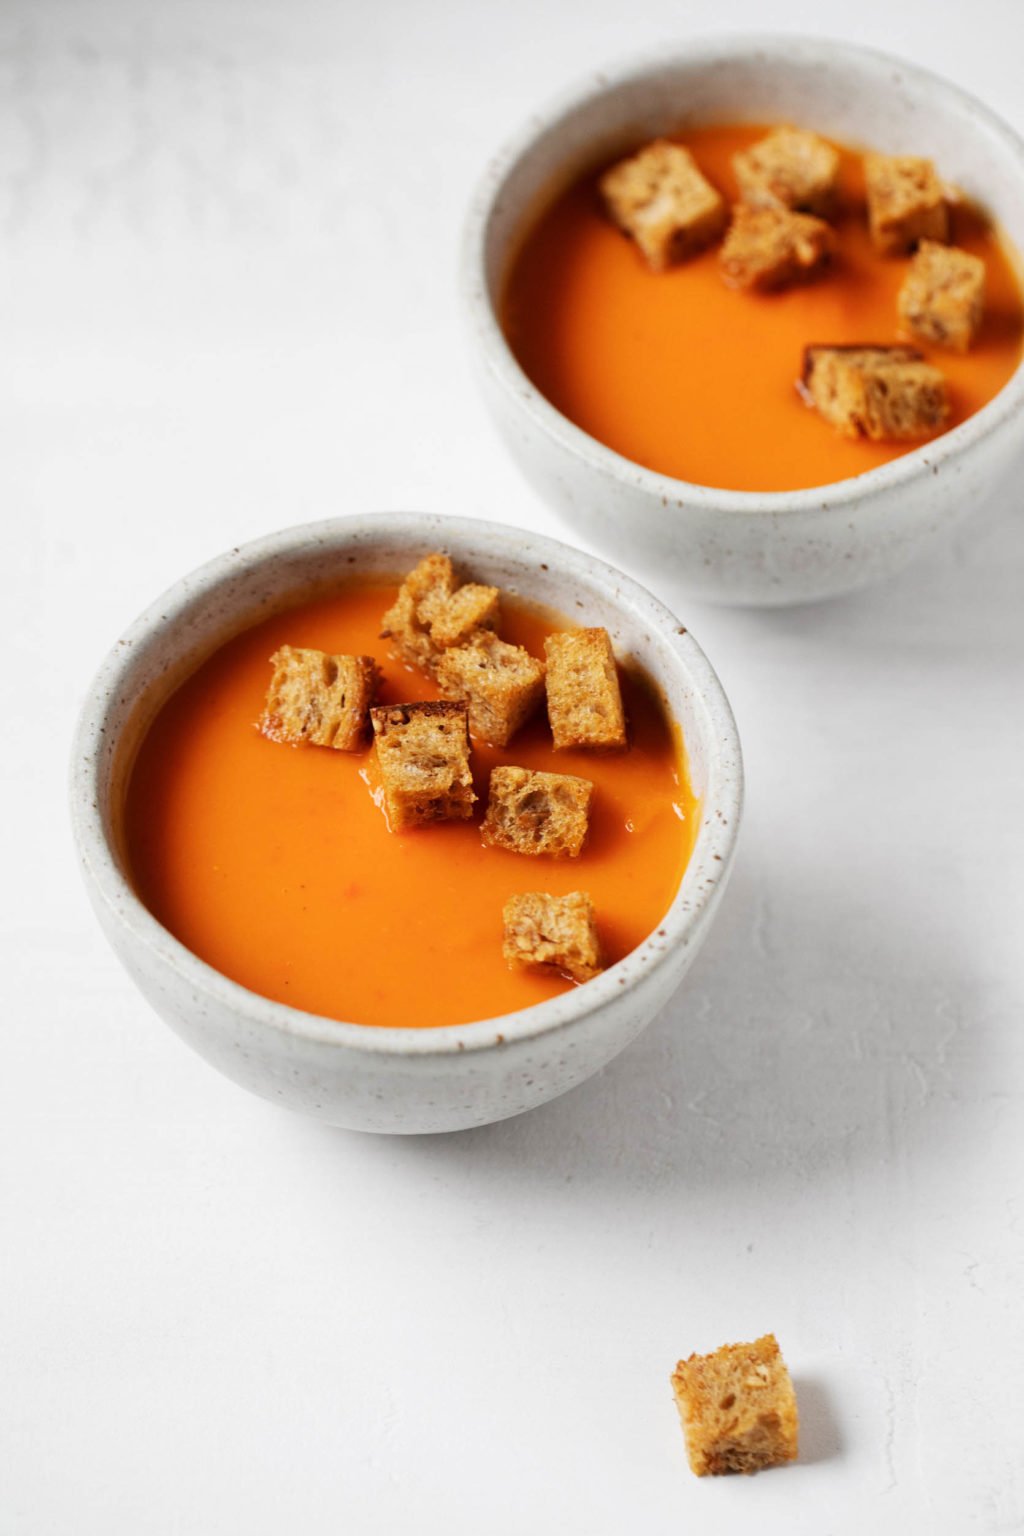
(228, 239)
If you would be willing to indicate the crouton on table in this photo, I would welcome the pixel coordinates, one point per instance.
(906, 202)
(502, 684)
(943, 295)
(768, 248)
(791, 168)
(737, 1407)
(531, 813)
(555, 933)
(584, 698)
(423, 754)
(877, 392)
(318, 698)
(662, 200)
(431, 612)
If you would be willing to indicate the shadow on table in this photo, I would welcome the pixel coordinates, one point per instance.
(820, 1437)
(812, 1034)
(968, 584)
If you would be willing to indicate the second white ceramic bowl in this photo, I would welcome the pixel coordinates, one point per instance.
(406, 1079)
(734, 546)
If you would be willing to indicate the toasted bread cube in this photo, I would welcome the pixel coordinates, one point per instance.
(662, 200)
(469, 610)
(791, 168)
(769, 248)
(943, 295)
(738, 1408)
(430, 613)
(501, 683)
(531, 812)
(321, 699)
(423, 754)
(422, 594)
(584, 699)
(553, 933)
(877, 392)
(906, 202)
(409, 633)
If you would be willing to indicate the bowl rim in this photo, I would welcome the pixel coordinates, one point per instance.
(501, 363)
(691, 907)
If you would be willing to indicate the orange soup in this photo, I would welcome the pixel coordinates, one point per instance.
(274, 863)
(696, 380)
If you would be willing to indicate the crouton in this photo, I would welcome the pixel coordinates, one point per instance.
(906, 202)
(537, 812)
(468, 611)
(661, 199)
(407, 621)
(584, 700)
(877, 392)
(423, 755)
(321, 699)
(943, 295)
(768, 248)
(791, 168)
(737, 1407)
(553, 933)
(501, 683)
(431, 613)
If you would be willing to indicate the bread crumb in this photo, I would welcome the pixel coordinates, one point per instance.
(662, 200)
(942, 299)
(320, 699)
(584, 698)
(883, 393)
(423, 755)
(770, 248)
(432, 613)
(533, 812)
(791, 168)
(906, 202)
(468, 611)
(501, 683)
(738, 1408)
(554, 933)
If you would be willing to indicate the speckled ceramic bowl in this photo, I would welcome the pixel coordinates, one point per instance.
(397, 1080)
(735, 546)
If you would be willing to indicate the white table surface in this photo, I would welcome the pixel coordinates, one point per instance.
(229, 233)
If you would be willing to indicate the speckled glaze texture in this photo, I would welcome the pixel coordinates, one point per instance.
(396, 1080)
(733, 546)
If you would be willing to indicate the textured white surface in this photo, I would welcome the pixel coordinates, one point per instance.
(229, 237)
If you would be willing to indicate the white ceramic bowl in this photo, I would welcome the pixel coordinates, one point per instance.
(734, 546)
(398, 1080)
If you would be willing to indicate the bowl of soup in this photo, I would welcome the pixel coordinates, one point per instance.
(660, 412)
(268, 910)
